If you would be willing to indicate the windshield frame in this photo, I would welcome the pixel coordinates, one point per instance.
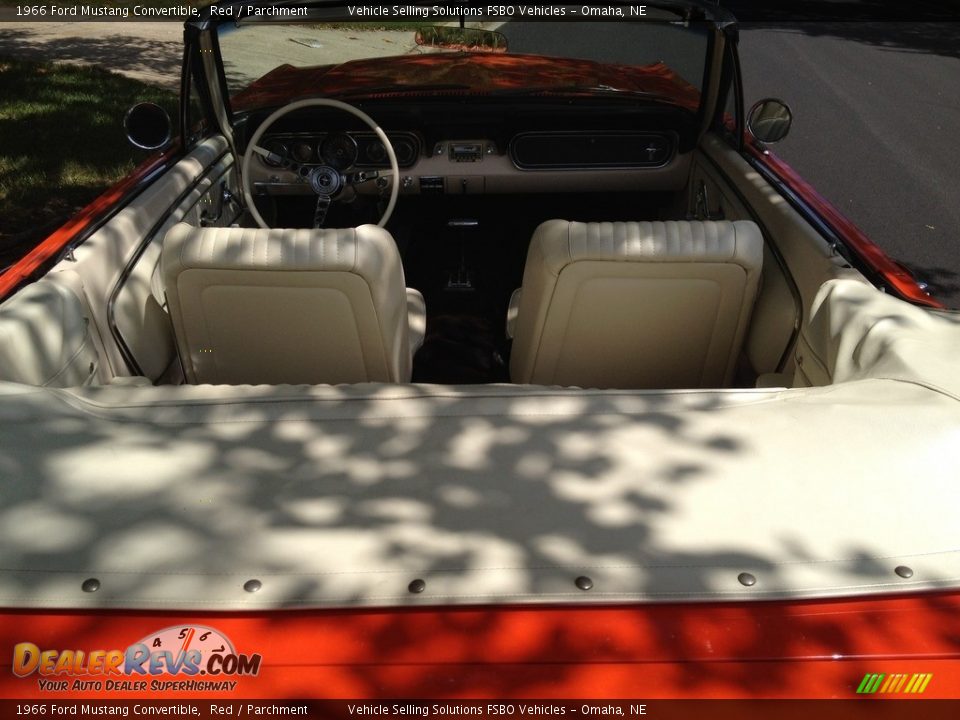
(720, 25)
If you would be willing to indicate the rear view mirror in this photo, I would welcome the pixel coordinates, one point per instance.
(769, 121)
(461, 38)
(147, 126)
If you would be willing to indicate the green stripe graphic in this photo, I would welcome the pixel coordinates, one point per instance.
(870, 683)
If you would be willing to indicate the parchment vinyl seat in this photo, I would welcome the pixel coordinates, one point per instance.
(254, 306)
(635, 304)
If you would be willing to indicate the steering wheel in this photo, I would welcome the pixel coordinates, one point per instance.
(325, 181)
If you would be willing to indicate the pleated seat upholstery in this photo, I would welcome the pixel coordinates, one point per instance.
(635, 304)
(256, 306)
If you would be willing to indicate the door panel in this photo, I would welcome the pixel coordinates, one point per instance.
(57, 331)
(786, 295)
(140, 325)
(46, 338)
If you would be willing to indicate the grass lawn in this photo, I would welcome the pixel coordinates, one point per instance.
(61, 144)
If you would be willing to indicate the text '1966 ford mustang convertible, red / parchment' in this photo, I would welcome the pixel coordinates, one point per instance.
(436, 368)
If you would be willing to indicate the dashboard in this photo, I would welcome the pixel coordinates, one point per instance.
(463, 150)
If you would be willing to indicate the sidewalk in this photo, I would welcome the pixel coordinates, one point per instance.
(150, 51)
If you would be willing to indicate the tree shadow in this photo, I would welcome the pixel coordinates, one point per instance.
(339, 497)
(61, 144)
(154, 61)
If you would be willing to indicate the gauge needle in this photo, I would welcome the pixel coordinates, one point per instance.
(187, 639)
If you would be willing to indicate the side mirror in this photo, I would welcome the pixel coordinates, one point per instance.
(769, 121)
(147, 126)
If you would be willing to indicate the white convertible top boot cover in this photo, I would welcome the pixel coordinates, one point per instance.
(174, 497)
(341, 496)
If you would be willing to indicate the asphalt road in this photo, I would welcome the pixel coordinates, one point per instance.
(876, 118)
(876, 129)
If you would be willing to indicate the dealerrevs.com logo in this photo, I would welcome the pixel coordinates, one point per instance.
(180, 658)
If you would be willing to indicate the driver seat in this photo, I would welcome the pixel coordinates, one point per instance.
(255, 306)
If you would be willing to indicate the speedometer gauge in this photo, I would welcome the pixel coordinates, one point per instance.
(302, 152)
(376, 152)
(339, 151)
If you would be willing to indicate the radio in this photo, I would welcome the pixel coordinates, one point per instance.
(466, 152)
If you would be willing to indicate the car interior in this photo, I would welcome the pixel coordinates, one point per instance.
(523, 249)
(512, 235)
(529, 338)
(593, 243)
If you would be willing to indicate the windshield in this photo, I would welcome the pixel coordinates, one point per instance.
(653, 57)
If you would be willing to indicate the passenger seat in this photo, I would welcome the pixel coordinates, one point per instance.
(635, 304)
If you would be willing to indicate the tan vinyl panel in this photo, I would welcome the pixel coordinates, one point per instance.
(776, 317)
(139, 312)
(99, 260)
(416, 319)
(636, 305)
(855, 332)
(496, 174)
(339, 496)
(811, 259)
(45, 338)
(776, 314)
(288, 306)
(51, 331)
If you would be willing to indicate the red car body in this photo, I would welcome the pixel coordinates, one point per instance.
(760, 650)
(814, 649)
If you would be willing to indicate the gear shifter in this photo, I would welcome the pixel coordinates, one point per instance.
(461, 279)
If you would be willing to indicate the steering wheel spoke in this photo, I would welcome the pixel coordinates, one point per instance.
(320, 212)
(278, 160)
(270, 157)
(319, 178)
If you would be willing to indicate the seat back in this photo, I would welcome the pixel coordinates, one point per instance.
(253, 306)
(635, 304)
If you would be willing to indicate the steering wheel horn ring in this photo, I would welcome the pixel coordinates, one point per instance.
(324, 180)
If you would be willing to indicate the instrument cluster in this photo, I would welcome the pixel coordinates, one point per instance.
(342, 150)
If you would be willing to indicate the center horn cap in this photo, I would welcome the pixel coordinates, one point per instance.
(325, 180)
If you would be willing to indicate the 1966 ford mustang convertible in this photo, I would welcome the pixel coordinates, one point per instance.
(419, 365)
